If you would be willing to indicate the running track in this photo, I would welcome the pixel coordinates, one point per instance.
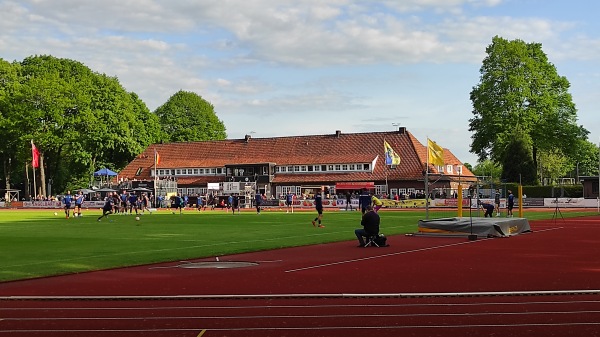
(545, 283)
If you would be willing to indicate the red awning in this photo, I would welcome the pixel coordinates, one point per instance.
(355, 185)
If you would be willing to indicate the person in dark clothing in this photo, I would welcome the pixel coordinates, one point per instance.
(235, 204)
(489, 209)
(370, 222)
(258, 199)
(510, 204)
(349, 200)
(319, 209)
(364, 200)
(108, 207)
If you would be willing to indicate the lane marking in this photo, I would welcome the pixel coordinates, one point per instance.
(399, 253)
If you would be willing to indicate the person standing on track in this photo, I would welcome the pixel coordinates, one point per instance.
(497, 202)
(319, 209)
(510, 204)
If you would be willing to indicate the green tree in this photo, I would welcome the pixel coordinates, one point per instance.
(80, 121)
(586, 160)
(520, 88)
(9, 84)
(553, 165)
(517, 163)
(489, 169)
(188, 117)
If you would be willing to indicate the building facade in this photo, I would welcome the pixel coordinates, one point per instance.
(336, 163)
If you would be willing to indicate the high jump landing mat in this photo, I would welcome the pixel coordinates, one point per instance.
(482, 227)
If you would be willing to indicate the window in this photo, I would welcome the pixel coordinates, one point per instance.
(311, 168)
(449, 169)
(213, 171)
(290, 169)
(323, 168)
(344, 167)
(338, 167)
(195, 171)
(459, 169)
(296, 168)
(366, 167)
(329, 167)
(139, 171)
(352, 167)
(303, 168)
(178, 172)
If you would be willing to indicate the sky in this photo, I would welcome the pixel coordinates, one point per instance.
(306, 67)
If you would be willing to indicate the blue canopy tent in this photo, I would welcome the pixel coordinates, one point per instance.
(105, 173)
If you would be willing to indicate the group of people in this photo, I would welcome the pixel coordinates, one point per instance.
(370, 220)
(489, 208)
(68, 200)
(116, 203)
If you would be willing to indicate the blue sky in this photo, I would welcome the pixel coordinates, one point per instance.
(279, 68)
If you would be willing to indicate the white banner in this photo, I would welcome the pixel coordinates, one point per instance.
(231, 187)
(58, 204)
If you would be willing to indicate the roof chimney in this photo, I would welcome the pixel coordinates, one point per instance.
(402, 130)
(247, 138)
(338, 133)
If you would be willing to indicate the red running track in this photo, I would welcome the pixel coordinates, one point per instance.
(543, 283)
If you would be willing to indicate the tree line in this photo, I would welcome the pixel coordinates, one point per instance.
(81, 120)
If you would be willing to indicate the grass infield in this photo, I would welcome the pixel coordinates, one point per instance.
(38, 243)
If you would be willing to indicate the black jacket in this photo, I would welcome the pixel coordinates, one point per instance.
(370, 221)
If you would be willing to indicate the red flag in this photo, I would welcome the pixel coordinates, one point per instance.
(35, 162)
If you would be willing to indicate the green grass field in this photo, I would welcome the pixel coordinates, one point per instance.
(38, 243)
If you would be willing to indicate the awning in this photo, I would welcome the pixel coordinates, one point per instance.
(355, 185)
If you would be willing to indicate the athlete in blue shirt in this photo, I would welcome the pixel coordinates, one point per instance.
(67, 200)
(258, 201)
(78, 202)
(133, 203)
(289, 200)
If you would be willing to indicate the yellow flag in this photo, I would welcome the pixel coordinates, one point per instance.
(436, 153)
(391, 157)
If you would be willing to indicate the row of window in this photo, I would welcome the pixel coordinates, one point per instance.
(323, 168)
(278, 169)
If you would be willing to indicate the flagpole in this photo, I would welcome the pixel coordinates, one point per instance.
(34, 183)
(427, 183)
(155, 174)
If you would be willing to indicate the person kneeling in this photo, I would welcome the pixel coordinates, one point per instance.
(370, 222)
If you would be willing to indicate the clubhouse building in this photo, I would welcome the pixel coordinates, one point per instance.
(337, 163)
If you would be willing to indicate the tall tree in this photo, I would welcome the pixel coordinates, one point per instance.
(520, 88)
(517, 162)
(188, 117)
(9, 84)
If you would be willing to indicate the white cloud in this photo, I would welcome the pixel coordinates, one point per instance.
(289, 59)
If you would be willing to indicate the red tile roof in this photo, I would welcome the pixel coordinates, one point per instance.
(338, 148)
